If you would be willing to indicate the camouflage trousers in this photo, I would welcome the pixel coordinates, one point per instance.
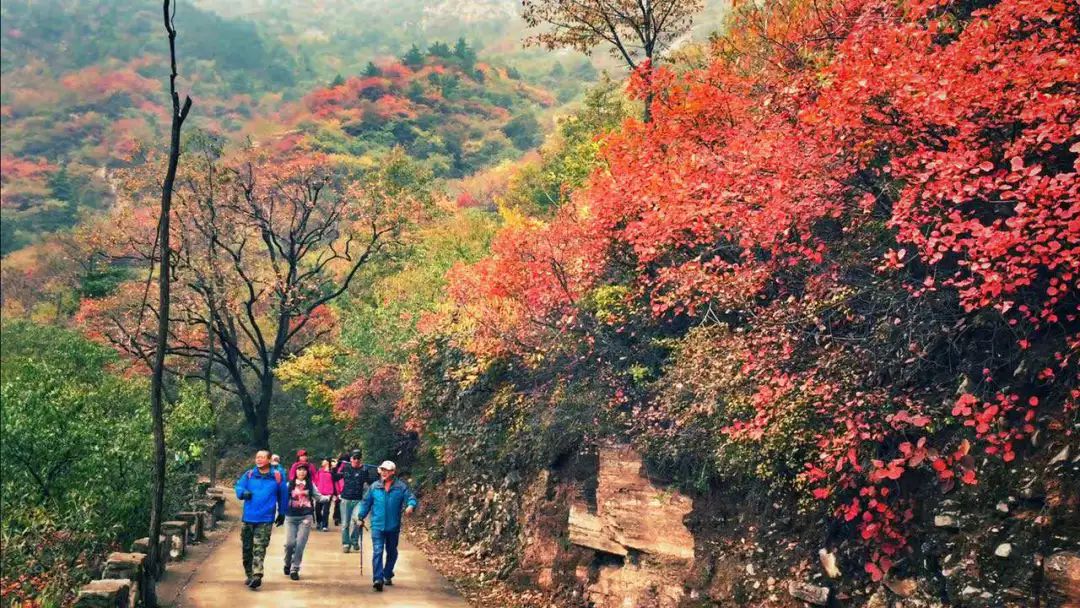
(254, 538)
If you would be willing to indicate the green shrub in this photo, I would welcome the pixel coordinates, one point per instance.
(75, 458)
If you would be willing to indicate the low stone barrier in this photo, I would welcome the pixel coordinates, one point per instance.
(105, 593)
(127, 582)
(133, 567)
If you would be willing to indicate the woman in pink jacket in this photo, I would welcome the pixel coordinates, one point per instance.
(324, 483)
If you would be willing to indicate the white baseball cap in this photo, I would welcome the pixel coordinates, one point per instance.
(388, 465)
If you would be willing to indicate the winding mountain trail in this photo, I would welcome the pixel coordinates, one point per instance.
(329, 578)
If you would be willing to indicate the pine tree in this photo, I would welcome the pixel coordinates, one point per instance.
(465, 53)
(61, 187)
(413, 58)
(439, 49)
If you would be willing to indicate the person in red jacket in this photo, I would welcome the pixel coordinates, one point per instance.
(324, 483)
(302, 461)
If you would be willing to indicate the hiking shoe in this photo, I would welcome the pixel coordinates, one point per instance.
(295, 576)
(286, 569)
(389, 582)
(356, 548)
(377, 586)
(247, 581)
(345, 548)
(256, 582)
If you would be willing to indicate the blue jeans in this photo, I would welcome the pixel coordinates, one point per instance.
(297, 530)
(350, 532)
(380, 540)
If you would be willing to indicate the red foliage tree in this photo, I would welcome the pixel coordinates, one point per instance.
(850, 193)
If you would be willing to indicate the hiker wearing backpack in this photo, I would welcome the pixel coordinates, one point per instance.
(356, 477)
(265, 495)
(387, 499)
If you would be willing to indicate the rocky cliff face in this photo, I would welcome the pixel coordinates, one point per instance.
(598, 532)
(644, 548)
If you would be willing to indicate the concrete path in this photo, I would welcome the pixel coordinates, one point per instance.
(328, 578)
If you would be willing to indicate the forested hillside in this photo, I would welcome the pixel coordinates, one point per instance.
(82, 92)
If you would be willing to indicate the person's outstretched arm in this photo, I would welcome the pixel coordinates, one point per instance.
(410, 499)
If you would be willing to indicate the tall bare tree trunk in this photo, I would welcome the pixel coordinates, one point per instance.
(157, 379)
(212, 448)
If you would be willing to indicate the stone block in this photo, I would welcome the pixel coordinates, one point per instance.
(587, 530)
(177, 531)
(105, 593)
(807, 592)
(195, 525)
(218, 506)
(142, 545)
(639, 514)
(207, 507)
(133, 567)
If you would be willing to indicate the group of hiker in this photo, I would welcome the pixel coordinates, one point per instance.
(306, 497)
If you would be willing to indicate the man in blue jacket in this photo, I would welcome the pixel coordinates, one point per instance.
(385, 500)
(266, 497)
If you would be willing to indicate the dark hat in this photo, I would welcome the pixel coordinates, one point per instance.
(356, 454)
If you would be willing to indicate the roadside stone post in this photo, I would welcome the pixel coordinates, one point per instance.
(195, 523)
(133, 567)
(106, 593)
(177, 531)
(217, 495)
(207, 508)
(142, 545)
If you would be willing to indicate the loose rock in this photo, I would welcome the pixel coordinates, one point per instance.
(809, 593)
(946, 521)
(902, 587)
(828, 562)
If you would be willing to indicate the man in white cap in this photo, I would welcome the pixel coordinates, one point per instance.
(385, 500)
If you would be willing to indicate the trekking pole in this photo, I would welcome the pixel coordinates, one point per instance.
(361, 547)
